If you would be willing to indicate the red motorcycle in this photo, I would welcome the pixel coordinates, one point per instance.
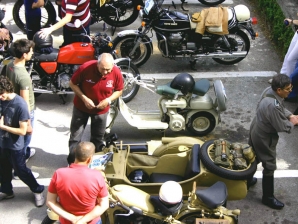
(52, 71)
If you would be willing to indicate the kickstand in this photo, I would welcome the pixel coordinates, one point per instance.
(193, 65)
(62, 98)
(114, 27)
(113, 30)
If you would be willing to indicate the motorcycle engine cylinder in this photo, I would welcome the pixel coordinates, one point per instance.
(64, 80)
(191, 46)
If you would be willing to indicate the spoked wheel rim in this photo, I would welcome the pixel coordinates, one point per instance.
(120, 13)
(130, 86)
(125, 46)
(44, 17)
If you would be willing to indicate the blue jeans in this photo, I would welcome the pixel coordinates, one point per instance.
(32, 25)
(27, 138)
(16, 159)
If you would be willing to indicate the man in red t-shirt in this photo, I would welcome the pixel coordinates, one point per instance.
(82, 192)
(96, 84)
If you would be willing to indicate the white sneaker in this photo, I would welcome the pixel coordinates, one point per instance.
(39, 199)
(35, 174)
(32, 153)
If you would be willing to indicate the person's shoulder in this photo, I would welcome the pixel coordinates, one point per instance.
(20, 101)
(89, 64)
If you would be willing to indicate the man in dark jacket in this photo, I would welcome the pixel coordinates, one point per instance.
(271, 117)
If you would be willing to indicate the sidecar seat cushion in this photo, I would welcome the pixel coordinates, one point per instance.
(163, 177)
(192, 169)
(193, 165)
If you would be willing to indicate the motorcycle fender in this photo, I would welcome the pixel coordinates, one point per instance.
(215, 114)
(249, 30)
(127, 32)
(132, 32)
(117, 60)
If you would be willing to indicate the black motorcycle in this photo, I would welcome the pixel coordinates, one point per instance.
(116, 13)
(176, 36)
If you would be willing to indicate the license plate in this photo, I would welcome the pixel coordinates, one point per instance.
(212, 221)
(148, 6)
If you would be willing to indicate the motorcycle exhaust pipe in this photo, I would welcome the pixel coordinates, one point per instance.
(218, 55)
(52, 92)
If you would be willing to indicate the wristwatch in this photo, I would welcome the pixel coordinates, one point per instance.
(109, 100)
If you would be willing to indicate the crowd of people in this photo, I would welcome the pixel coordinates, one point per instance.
(95, 84)
(18, 107)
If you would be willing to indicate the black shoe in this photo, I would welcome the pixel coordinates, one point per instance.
(251, 182)
(272, 202)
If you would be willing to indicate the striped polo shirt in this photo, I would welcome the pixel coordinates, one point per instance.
(79, 10)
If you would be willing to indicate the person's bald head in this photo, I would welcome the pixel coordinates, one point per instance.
(84, 151)
(105, 63)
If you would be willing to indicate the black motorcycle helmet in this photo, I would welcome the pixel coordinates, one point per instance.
(42, 42)
(43, 45)
(183, 82)
(138, 176)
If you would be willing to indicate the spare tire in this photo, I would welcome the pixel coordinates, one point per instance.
(206, 158)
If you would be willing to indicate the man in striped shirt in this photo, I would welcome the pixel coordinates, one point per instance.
(71, 10)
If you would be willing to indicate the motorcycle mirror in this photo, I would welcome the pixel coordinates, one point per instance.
(77, 23)
(173, 4)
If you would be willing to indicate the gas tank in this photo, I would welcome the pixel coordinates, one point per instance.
(76, 53)
(178, 22)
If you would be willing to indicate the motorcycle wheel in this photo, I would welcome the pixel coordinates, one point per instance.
(190, 218)
(207, 158)
(201, 123)
(129, 72)
(238, 41)
(124, 45)
(47, 220)
(220, 95)
(126, 9)
(48, 15)
(211, 2)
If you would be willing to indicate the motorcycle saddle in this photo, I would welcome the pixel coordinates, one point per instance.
(201, 87)
(166, 90)
(213, 196)
(179, 15)
(47, 57)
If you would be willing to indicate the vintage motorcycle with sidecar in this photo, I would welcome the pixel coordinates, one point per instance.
(140, 169)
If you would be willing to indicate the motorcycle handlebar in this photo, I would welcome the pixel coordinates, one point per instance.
(83, 35)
